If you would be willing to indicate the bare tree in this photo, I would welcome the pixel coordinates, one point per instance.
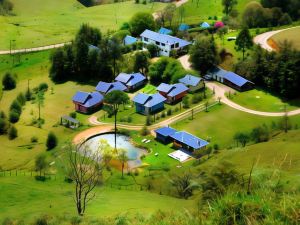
(123, 158)
(85, 169)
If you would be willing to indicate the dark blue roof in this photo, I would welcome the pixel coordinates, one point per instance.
(218, 71)
(183, 27)
(164, 38)
(130, 79)
(163, 30)
(172, 89)
(149, 100)
(189, 139)
(190, 80)
(129, 40)
(165, 131)
(81, 96)
(236, 79)
(105, 87)
(88, 99)
(205, 25)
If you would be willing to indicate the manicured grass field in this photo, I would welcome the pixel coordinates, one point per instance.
(52, 21)
(221, 123)
(291, 35)
(263, 101)
(198, 11)
(23, 197)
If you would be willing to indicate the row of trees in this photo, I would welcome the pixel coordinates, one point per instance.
(6, 6)
(276, 71)
(255, 15)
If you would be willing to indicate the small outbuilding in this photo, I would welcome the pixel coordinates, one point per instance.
(87, 102)
(148, 104)
(183, 27)
(163, 30)
(163, 134)
(230, 79)
(69, 121)
(104, 87)
(192, 82)
(205, 25)
(129, 40)
(172, 92)
(132, 81)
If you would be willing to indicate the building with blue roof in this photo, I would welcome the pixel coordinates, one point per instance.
(104, 87)
(132, 81)
(166, 43)
(163, 134)
(148, 104)
(172, 92)
(192, 82)
(181, 139)
(231, 79)
(163, 30)
(205, 25)
(86, 102)
(129, 40)
(188, 142)
(183, 27)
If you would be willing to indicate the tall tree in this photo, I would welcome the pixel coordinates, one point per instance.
(41, 163)
(140, 22)
(123, 158)
(115, 99)
(141, 62)
(88, 34)
(228, 6)
(40, 101)
(115, 52)
(203, 54)
(85, 169)
(244, 41)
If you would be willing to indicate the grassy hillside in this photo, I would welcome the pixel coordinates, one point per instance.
(291, 35)
(54, 21)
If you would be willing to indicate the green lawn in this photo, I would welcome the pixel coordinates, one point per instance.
(23, 197)
(196, 12)
(263, 101)
(291, 35)
(221, 123)
(54, 21)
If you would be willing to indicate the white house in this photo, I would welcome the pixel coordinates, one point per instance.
(166, 43)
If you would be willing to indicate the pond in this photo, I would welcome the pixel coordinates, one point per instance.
(123, 142)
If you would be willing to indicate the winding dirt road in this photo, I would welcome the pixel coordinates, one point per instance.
(263, 38)
(37, 49)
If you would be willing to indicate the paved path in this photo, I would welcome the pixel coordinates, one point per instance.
(263, 38)
(220, 93)
(37, 49)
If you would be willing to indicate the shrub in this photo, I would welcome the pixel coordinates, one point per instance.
(2, 115)
(9, 81)
(34, 139)
(169, 112)
(196, 98)
(73, 115)
(12, 133)
(43, 87)
(21, 99)
(144, 131)
(28, 95)
(14, 116)
(186, 102)
(129, 119)
(15, 106)
(153, 50)
(51, 141)
(3, 126)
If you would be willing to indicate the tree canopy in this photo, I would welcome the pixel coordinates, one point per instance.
(141, 21)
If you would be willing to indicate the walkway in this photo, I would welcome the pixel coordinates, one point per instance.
(37, 49)
(263, 38)
(220, 93)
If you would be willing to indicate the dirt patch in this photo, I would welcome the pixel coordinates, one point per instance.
(273, 44)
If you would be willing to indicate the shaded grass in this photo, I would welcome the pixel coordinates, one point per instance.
(291, 35)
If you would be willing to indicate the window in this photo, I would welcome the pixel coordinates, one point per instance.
(176, 45)
(157, 43)
(145, 39)
(163, 44)
(172, 46)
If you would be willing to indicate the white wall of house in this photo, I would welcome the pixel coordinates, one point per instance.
(217, 78)
(165, 49)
